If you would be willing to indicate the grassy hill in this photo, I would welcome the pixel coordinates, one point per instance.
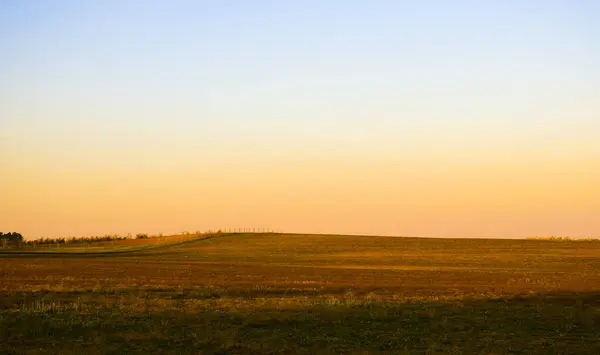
(274, 293)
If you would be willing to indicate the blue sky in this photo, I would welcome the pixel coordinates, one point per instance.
(132, 86)
(276, 65)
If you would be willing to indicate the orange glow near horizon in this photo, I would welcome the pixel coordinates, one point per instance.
(433, 198)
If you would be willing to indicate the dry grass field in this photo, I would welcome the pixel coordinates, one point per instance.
(303, 294)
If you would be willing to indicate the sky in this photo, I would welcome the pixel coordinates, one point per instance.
(421, 118)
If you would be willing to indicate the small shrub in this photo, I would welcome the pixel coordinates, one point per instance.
(141, 236)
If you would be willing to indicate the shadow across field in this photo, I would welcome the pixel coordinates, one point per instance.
(228, 322)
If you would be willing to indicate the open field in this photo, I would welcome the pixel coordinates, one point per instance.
(272, 293)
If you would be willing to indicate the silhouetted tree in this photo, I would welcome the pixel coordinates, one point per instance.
(4, 240)
(11, 239)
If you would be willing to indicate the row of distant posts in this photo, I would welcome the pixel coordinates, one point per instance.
(190, 236)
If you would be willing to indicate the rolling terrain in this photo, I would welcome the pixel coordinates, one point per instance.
(289, 293)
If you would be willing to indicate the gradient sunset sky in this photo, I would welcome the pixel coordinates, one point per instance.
(422, 118)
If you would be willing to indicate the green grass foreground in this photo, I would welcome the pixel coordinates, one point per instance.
(303, 294)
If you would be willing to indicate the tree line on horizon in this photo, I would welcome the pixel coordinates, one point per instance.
(14, 239)
(83, 240)
(10, 239)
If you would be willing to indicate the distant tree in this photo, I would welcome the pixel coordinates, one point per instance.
(16, 239)
(141, 236)
(11, 239)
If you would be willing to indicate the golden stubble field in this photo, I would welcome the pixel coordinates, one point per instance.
(276, 293)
